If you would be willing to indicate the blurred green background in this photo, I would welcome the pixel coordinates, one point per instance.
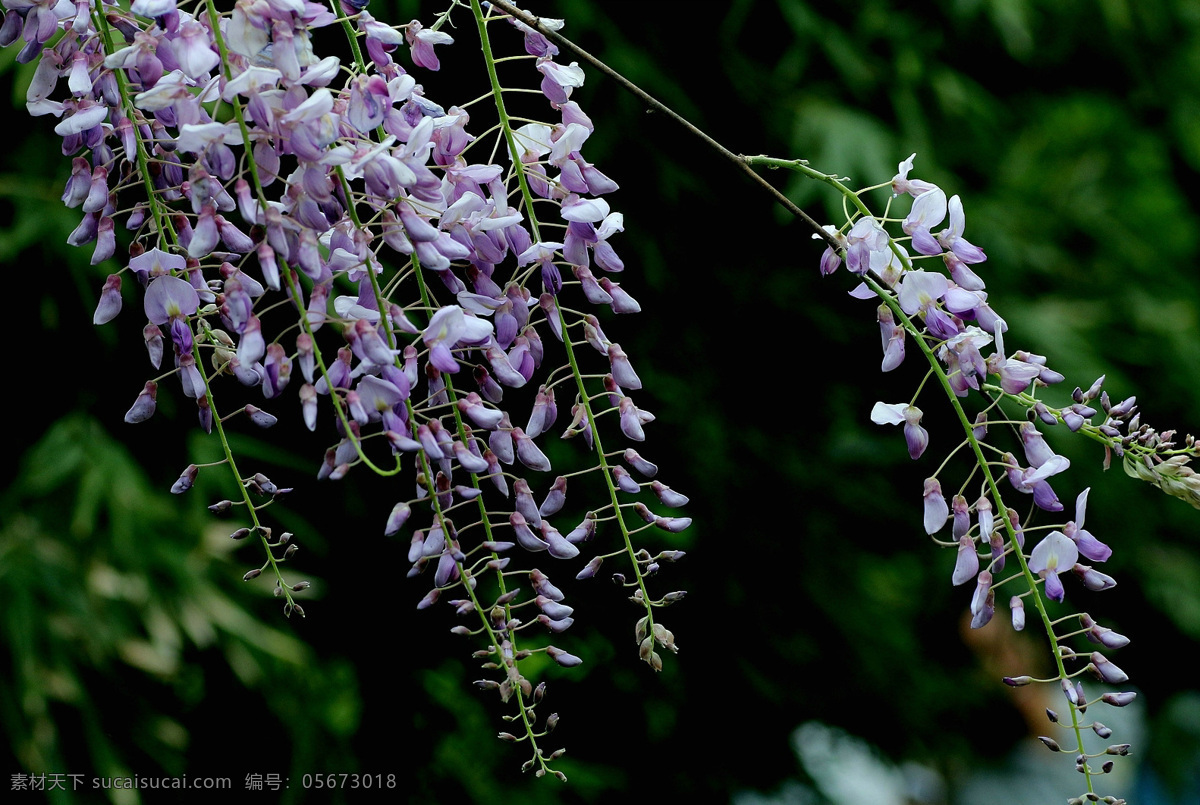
(130, 645)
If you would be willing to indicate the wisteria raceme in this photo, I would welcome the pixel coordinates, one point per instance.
(447, 293)
(949, 317)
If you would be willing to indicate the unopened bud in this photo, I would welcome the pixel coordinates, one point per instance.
(301, 585)
(1117, 749)
(590, 569)
(1050, 743)
(186, 479)
(241, 533)
(1017, 681)
(252, 574)
(1118, 699)
(563, 658)
(1101, 730)
(1106, 670)
(220, 506)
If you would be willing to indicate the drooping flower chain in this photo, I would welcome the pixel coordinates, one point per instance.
(948, 317)
(359, 210)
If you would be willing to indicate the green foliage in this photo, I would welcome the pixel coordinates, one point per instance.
(121, 615)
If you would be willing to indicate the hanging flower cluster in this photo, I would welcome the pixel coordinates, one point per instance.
(946, 312)
(434, 301)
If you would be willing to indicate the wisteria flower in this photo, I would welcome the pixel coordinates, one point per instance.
(935, 509)
(422, 40)
(1015, 375)
(928, 210)
(919, 292)
(864, 239)
(1032, 480)
(1089, 547)
(447, 328)
(1053, 555)
(951, 238)
(830, 258)
(902, 184)
(171, 299)
(559, 79)
(895, 413)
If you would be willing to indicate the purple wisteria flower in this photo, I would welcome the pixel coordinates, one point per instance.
(928, 210)
(919, 292)
(1055, 554)
(902, 184)
(1089, 547)
(171, 300)
(951, 238)
(894, 414)
(447, 328)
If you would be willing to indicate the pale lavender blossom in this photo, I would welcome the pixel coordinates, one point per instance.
(902, 184)
(1055, 554)
(928, 210)
(447, 328)
(1089, 547)
(894, 414)
(422, 41)
(952, 240)
(935, 507)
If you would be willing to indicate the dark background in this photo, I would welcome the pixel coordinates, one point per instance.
(130, 645)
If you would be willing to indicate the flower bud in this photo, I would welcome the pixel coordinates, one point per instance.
(936, 510)
(563, 658)
(1106, 670)
(673, 524)
(400, 514)
(186, 479)
(1093, 579)
(966, 565)
(260, 417)
(110, 300)
(555, 626)
(1050, 743)
(590, 570)
(634, 459)
(1018, 613)
(1118, 699)
(144, 406)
